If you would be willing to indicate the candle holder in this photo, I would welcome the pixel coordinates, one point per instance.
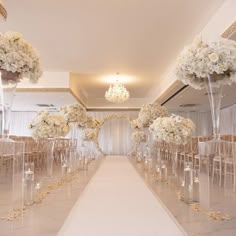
(158, 172)
(196, 181)
(163, 171)
(64, 169)
(138, 157)
(29, 183)
(188, 183)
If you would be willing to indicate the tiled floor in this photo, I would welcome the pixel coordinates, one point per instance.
(46, 219)
(195, 223)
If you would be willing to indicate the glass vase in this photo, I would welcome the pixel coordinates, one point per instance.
(8, 83)
(215, 96)
(188, 182)
(29, 183)
(50, 144)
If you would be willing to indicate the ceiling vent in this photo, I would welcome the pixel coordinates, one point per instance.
(45, 105)
(188, 105)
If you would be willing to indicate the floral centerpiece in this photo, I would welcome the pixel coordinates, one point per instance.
(209, 65)
(45, 125)
(173, 129)
(150, 112)
(136, 124)
(92, 123)
(90, 135)
(139, 137)
(75, 114)
(200, 60)
(18, 59)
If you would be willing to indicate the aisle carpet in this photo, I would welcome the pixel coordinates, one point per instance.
(118, 203)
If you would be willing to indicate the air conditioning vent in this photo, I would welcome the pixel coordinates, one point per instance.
(45, 105)
(188, 105)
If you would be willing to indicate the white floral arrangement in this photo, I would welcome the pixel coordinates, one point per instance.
(45, 125)
(92, 123)
(200, 60)
(174, 129)
(136, 124)
(75, 114)
(150, 112)
(19, 57)
(139, 137)
(90, 135)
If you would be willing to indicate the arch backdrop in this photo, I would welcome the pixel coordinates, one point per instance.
(114, 135)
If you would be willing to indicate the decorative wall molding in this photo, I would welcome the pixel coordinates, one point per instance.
(170, 91)
(3, 11)
(229, 31)
(47, 90)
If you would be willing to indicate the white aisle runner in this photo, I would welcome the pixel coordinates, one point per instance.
(118, 203)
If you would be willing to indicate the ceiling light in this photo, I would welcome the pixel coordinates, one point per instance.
(117, 93)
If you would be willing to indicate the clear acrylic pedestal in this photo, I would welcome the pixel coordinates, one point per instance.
(11, 182)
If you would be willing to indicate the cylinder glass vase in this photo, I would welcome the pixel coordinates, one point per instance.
(29, 183)
(50, 144)
(8, 83)
(214, 92)
(188, 182)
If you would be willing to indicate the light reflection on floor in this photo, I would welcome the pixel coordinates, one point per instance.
(47, 218)
(196, 223)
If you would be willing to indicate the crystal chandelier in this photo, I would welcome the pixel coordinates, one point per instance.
(117, 93)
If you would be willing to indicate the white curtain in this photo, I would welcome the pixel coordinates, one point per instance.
(228, 120)
(20, 123)
(115, 135)
(202, 120)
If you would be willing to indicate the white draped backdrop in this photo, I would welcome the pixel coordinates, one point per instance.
(115, 135)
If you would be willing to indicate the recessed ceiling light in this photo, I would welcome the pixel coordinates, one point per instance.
(124, 79)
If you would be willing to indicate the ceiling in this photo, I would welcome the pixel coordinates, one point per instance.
(96, 39)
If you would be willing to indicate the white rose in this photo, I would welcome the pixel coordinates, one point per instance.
(214, 57)
(197, 42)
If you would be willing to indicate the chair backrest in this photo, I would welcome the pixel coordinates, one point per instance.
(207, 148)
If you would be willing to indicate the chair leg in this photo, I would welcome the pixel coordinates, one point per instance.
(225, 172)
(213, 173)
(234, 181)
(220, 171)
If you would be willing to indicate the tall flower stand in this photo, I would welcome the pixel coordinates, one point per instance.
(49, 145)
(209, 149)
(12, 182)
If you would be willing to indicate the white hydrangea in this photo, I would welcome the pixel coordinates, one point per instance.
(90, 135)
(45, 125)
(75, 113)
(200, 60)
(92, 123)
(173, 129)
(136, 124)
(18, 56)
(139, 137)
(150, 112)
